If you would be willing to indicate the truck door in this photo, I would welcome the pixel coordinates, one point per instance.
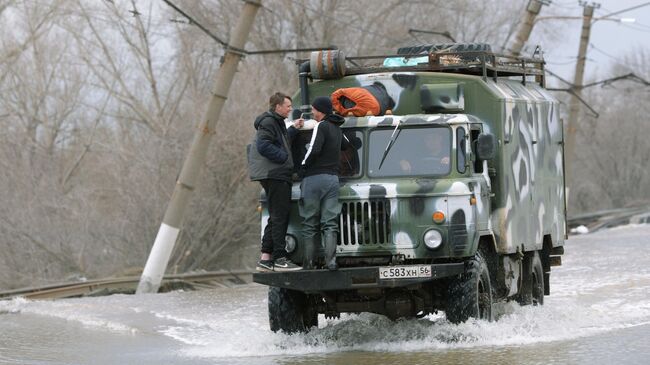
(482, 184)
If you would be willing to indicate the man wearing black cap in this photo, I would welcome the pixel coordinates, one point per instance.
(320, 185)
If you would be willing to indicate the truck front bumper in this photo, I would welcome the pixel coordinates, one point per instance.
(349, 278)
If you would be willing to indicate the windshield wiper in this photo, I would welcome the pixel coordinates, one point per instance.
(393, 138)
(346, 156)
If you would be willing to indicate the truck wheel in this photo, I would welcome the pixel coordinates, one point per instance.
(310, 317)
(290, 311)
(470, 294)
(532, 287)
(450, 47)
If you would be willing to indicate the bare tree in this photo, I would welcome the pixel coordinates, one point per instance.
(101, 99)
(613, 151)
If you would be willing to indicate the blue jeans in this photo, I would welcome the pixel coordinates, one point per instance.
(319, 203)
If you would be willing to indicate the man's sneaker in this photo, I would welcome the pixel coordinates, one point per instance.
(284, 264)
(264, 265)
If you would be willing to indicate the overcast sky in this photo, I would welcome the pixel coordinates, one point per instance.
(610, 40)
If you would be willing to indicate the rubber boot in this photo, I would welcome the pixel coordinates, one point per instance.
(309, 257)
(330, 251)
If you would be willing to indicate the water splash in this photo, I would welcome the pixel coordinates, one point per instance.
(603, 286)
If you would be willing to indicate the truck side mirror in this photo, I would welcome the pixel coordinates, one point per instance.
(486, 146)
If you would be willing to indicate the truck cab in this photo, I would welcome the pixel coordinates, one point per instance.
(452, 199)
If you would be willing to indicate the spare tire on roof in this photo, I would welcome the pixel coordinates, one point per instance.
(360, 101)
(445, 47)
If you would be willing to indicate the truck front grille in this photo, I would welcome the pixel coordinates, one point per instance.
(365, 223)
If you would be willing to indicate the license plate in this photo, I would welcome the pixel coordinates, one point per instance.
(405, 272)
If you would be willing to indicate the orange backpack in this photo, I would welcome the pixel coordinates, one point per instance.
(360, 101)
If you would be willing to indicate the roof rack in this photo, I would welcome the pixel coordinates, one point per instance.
(480, 63)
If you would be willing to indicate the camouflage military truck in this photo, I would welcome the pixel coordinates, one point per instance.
(452, 194)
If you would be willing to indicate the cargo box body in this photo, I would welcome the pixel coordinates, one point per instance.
(527, 204)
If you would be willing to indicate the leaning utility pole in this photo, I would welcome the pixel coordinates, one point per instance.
(170, 228)
(532, 10)
(576, 90)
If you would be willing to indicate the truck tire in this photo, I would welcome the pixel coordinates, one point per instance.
(470, 295)
(290, 311)
(310, 317)
(532, 281)
(446, 47)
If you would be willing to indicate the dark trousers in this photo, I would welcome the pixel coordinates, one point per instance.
(278, 197)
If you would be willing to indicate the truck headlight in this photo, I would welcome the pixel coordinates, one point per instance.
(289, 243)
(432, 239)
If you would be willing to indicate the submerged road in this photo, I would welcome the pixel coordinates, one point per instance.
(598, 313)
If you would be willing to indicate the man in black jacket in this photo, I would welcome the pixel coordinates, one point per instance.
(270, 162)
(320, 185)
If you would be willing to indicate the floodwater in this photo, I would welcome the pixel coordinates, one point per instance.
(598, 313)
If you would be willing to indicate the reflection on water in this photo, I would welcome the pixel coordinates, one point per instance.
(598, 313)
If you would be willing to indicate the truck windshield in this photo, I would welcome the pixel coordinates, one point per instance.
(417, 152)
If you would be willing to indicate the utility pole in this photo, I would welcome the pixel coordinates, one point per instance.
(574, 106)
(532, 10)
(170, 227)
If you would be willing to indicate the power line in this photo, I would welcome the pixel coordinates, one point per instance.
(572, 88)
(558, 77)
(105, 17)
(562, 63)
(604, 53)
(200, 26)
(630, 26)
(242, 51)
(631, 76)
(566, 5)
(641, 25)
(580, 99)
(99, 15)
(635, 25)
(345, 23)
(625, 10)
